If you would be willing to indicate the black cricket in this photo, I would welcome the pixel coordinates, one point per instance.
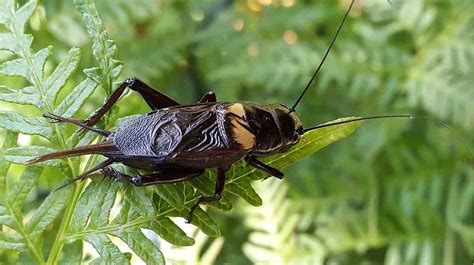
(179, 142)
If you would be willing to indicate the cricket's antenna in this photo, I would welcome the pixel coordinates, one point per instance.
(329, 124)
(324, 57)
(408, 116)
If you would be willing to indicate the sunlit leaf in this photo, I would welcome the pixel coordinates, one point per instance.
(71, 104)
(141, 245)
(60, 75)
(107, 250)
(9, 141)
(73, 253)
(27, 125)
(11, 242)
(47, 212)
(170, 232)
(21, 155)
(24, 96)
(16, 196)
(8, 42)
(24, 13)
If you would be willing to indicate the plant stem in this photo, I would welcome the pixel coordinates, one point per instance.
(71, 206)
(58, 241)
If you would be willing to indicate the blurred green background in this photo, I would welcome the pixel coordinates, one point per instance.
(395, 192)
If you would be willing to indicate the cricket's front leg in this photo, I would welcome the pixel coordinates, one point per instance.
(254, 162)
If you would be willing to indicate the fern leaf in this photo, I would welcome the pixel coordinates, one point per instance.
(27, 125)
(61, 74)
(49, 209)
(23, 96)
(17, 195)
(8, 142)
(170, 232)
(8, 43)
(103, 48)
(11, 242)
(20, 155)
(93, 213)
(74, 100)
(107, 250)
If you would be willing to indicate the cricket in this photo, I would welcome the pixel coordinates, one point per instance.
(177, 142)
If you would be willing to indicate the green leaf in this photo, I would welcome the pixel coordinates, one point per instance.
(205, 184)
(103, 48)
(126, 213)
(85, 206)
(20, 67)
(61, 74)
(8, 142)
(141, 245)
(9, 43)
(107, 192)
(37, 67)
(26, 125)
(107, 250)
(95, 28)
(171, 197)
(171, 194)
(24, 96)
(72, 253)
(7, 6)
(17, 195)
(17, 67)
(202, 220)
(74, 100)
(170, 232)
(11, 242)
(20, 155)
(5, 217)
(138, 200)
(243, 188)
(23, 14)
(95, 74)
(48, 212)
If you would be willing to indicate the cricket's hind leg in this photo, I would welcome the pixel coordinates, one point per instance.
(155, 99)
(78, 122)
(170, 176)
(209, 97)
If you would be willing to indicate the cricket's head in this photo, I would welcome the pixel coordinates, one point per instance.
(290, 124)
